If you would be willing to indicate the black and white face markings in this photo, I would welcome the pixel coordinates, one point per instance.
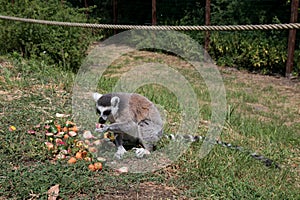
(104, 113)
(103, 107)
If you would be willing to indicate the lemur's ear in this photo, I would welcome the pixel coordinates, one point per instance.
(96, 96)
(115, 101)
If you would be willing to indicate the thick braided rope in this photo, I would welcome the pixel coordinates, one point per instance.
(176, 28)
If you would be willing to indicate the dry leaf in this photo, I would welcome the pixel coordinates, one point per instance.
(122, 170)
(53, 192)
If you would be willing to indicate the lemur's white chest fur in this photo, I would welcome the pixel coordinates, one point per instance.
(133, 118)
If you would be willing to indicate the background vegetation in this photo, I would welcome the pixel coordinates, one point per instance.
(264, 51)
(63, 46)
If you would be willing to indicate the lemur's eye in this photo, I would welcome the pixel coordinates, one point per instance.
(98, 112)
(107, 112)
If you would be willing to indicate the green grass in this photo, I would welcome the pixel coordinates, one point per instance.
(32, 92)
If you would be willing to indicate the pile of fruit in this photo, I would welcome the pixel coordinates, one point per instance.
(63, 143)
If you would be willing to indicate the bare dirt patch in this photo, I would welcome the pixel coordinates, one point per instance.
(291, 88)
(278, 96)
(145, 190)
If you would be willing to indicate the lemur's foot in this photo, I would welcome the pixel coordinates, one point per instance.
(141, 152)
(120, 152)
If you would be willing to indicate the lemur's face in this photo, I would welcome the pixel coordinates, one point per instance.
(103, 113)
(106, 106)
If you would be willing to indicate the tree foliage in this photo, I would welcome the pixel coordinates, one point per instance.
(63, 46)
(254, 50)
(264, 51)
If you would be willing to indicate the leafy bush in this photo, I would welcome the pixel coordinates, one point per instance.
(65, 46)
(264, 51)
(250, 50)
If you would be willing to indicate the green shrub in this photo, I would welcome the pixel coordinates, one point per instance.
(263, 51)
(252, 50)
(64, 46)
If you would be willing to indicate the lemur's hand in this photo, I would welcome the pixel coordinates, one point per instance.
(105, 128)
(102, 128)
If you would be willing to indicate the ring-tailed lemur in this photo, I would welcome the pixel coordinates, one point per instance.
(132, 118)
(135, 119)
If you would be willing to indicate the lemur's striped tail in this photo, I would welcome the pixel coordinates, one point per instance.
(266, 161)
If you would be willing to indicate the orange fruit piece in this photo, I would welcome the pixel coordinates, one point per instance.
(66, 136)
(58, 127)
(65, 129)
(92, 167)
(72, 160)
(74, 128)
(78, 155)
(98, 165)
